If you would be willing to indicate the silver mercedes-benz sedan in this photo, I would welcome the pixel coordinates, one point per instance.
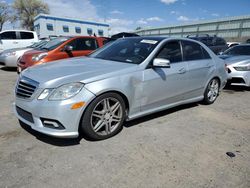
(126, 79)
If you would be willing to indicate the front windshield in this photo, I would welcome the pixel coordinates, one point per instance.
(38, 44)
(54, 43)
(238, 50)
(127, 50)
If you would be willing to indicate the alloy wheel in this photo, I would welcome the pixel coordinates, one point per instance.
(106, 116)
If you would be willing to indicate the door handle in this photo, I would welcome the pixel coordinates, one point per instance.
(182, 71)
(15, 42)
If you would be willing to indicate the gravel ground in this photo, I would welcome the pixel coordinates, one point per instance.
(181, 147)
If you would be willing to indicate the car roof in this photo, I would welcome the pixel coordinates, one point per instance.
(242, 45)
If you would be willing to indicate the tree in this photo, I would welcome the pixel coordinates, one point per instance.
(27, 10)
(138, 28)
(4, 13)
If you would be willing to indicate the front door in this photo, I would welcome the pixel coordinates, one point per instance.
(165, 86)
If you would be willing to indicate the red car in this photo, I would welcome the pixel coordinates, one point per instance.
(60, 48)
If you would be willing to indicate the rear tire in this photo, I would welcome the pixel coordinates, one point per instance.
(212, 91)
(104, 117)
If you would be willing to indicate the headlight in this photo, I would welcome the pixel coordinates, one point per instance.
(38, 57)
(243, 68)
(66, 91)
(44, 94)
(9, 54)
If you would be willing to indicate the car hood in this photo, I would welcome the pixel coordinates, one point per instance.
(80, 69)
(11, 50)
(239, 59)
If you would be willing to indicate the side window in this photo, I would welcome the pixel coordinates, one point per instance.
(100, 32)
(65, 28)
(78, 29)
(192, 51)
(26, 35)
(89, 31)
(84, 44)
(171, 51)
(205, 53)
(8, 35)
(49, 27)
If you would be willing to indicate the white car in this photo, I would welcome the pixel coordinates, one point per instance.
(237, 59)
(10, 39)
(10, 57)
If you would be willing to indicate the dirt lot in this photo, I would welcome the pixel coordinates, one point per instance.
(181, 147)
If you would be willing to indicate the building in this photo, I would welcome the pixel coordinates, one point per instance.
(232, 29)
(48, 25)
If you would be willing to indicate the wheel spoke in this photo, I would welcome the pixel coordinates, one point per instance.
(98, 114)
(106, 105)
(108, 127)
(99, 125)
(115, 107)
(116, 118)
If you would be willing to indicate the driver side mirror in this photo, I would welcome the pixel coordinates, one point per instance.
(68, 48)
(160, 62)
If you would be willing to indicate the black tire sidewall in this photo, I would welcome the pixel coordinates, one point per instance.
(85, 125)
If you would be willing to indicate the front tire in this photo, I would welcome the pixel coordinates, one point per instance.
(212, 91)
(104, 117)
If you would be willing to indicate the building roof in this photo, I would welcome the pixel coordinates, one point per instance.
(245, 17)
(72, 20)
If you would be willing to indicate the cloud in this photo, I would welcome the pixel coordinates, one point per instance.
(174, 12)
(85, 10)
(183, 18)
(81, 9)
(116, 12)
(119, 25)
(155, 19)
(215, 14)
(167, 2)
(187, 19)
(141, 22)
(116, 21)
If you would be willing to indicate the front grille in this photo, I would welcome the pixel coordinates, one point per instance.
(24, 114)
(26, 87)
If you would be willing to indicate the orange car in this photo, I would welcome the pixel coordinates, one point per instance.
(60, 48)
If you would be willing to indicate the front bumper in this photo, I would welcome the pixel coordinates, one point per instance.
(9, 61)
(239, 78)
(59, 111)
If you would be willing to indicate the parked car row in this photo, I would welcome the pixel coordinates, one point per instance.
(128, 77)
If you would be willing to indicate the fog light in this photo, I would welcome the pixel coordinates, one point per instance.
(53, 124)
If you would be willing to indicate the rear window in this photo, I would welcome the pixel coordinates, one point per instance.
(26, 35)
(8, 35)
(193, 51)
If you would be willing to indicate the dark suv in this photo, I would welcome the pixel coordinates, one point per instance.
(216, 44)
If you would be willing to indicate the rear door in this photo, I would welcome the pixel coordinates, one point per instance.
(25, 38)
(200, 66)
(8, 40)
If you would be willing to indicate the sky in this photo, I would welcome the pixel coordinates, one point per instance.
(127, 15)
